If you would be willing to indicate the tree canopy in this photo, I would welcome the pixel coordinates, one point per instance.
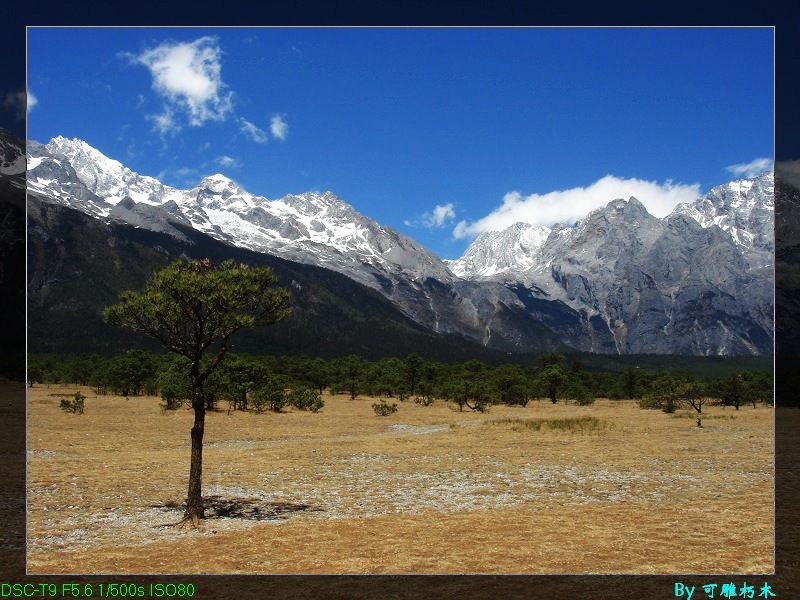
(191, 305)
(193, 308)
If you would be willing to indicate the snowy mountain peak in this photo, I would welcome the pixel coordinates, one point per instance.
(619, 209)
(514, 249)
(79, 153)
(312, 227)
(620, 280)
(218, 180)
(107, 178)
(66, 146)
(222, 193)
(743, 208)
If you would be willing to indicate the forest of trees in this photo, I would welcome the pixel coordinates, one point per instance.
(259, 383)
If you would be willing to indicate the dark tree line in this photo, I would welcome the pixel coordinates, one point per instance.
(263, 383)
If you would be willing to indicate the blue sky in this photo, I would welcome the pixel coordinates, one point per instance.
(439, 133)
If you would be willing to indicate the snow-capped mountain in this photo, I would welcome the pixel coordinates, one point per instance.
(514, 249)
(744, 209)
(311, 228)
(620, 280)
(699, 279)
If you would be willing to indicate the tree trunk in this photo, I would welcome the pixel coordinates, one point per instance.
(194, 502)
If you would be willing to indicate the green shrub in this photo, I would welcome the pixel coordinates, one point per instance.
(581, 394)
(305, 399)
(75, 405)
(383, 409)
(668, 403)
(173, 381)
(271, 395)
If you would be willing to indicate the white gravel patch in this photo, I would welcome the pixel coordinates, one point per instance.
(365, 486)
(417, 430)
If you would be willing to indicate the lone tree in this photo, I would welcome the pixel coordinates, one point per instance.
(695, 395)
(552, 380)
(193, 308)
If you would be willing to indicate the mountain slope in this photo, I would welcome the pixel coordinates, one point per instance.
(78, 265)
(744, 209)
(310, 228)
(698, 281)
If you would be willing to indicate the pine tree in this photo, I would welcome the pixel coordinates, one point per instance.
(193, 308)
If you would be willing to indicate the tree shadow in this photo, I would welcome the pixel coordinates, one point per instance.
(252, 509)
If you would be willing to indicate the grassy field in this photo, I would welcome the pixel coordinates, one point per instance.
(606, 488)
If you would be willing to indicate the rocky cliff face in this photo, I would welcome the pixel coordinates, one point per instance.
(621, 280)
(310, 228)
(697, 282)
(514, 249)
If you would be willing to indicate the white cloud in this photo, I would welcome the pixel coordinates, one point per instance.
(752, 169)
(187, 76)
(568, 206)
(182, 177)
(31, 100)
(165, 123)
(227, 161)
(18, 102)
(279, 127)
(256, 134)
(440, 216)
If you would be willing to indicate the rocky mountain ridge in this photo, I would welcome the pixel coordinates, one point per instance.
(620, 280)
(310, 227)
(744, 209)
(703, 274)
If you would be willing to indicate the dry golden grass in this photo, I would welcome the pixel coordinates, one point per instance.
(425, 490)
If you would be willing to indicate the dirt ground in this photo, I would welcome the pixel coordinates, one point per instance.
(427, 490)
